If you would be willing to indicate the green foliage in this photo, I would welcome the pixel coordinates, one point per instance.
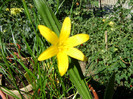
(118, 56)
(86, 17)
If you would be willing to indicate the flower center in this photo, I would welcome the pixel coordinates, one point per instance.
(61, 46)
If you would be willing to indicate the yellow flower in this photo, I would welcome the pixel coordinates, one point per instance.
(15, 11)
(62, 46)
(4, 31)
(7, 9)
(111, 23)
(103, 20)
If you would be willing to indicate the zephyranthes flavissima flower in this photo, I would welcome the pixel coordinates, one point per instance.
(62, 46)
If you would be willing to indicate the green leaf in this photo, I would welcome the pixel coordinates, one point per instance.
(48, 16)
(77, 78)
(110, 88)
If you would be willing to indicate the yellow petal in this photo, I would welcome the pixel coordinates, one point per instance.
(48, 34)
(77, 40)
(75, 53)
(48, 53)
(62, 62)
(65, 30)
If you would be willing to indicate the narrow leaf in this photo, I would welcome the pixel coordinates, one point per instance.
(77, 78)
(110, 88)
(48, 16)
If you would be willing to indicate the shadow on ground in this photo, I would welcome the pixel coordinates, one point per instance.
(120, 92)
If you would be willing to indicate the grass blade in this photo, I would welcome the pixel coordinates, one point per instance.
(110, 88)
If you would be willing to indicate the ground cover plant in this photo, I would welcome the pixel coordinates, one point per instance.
(109, 51)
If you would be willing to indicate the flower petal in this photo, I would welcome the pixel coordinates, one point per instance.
(48, 34)
(65, 30)
(77, 40)
(75, 53)
(48, 53)
(62, 62)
